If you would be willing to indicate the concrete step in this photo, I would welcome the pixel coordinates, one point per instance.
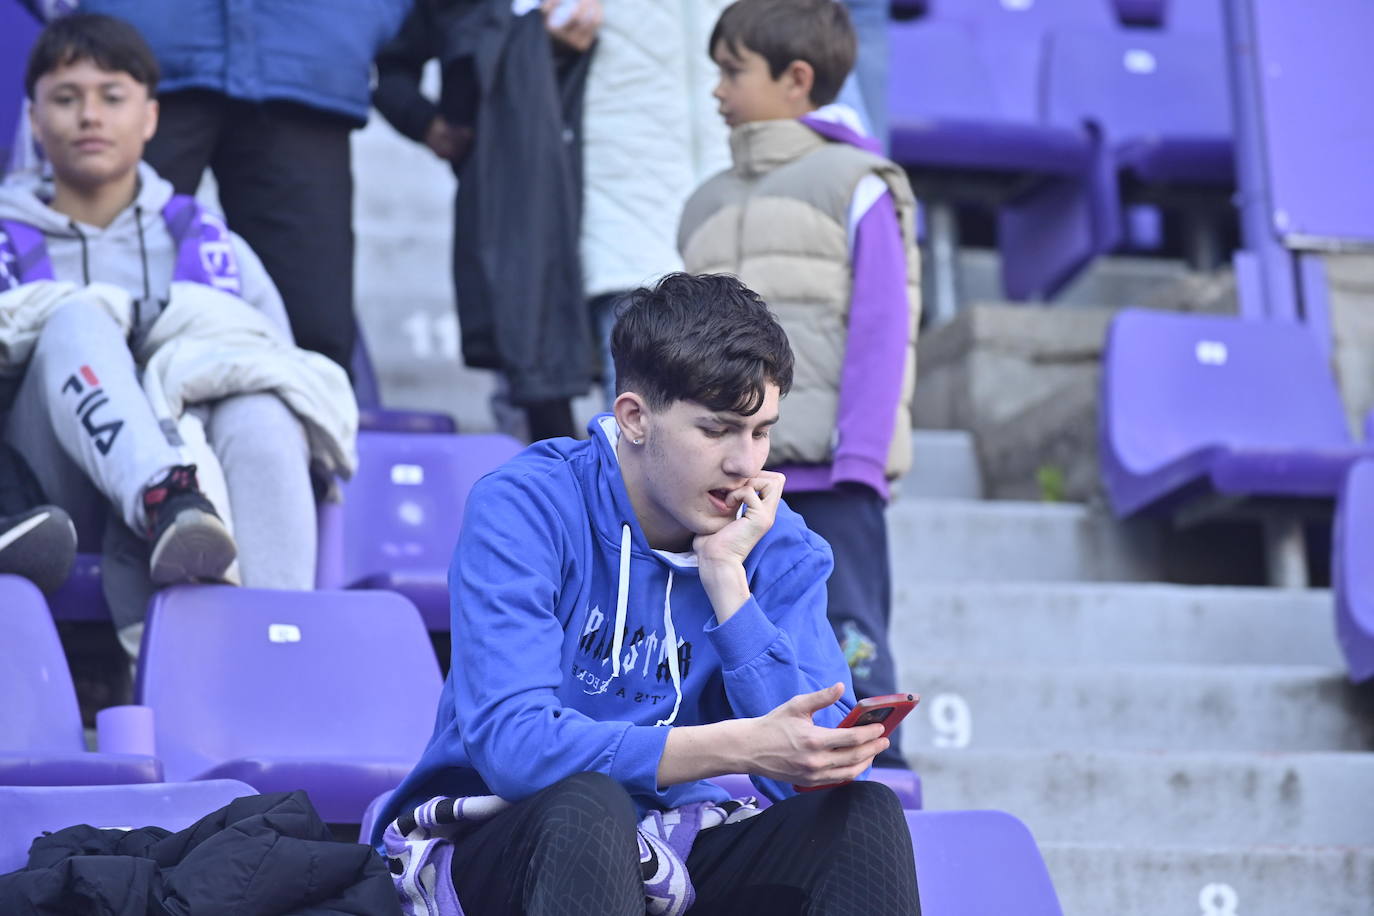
(944, 466)
(1004, 541)
(1144, 799)
(1140, 707)
(1236, 880)
(1129, 624)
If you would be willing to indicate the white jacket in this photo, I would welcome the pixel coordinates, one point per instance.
(650, 135)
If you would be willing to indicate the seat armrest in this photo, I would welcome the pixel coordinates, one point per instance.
(126, 730)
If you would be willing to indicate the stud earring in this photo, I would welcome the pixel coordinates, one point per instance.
(639, 442)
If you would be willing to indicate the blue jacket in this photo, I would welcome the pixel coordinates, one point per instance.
(315, 52)
(534, 693)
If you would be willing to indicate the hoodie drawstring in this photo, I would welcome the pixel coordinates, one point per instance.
(85, 257)
(670, 634)
(622, 603)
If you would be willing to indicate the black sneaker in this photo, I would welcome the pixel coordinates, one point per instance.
(39, 545)
(189, 540)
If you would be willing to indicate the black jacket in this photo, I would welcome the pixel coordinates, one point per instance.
(517, 218)
(259, 855)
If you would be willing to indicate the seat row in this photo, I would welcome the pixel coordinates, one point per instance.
(1075, 129)
(394, 528)
(243, 691)
(1207, 417)
(330, 691)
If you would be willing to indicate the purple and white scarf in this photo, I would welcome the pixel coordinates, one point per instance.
(419, 848)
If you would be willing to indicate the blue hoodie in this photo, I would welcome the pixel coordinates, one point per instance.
(550, 550)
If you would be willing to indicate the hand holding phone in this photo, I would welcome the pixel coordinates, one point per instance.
(889, 710)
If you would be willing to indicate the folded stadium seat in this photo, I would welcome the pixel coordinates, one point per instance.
(401, 514)
(965, 124)
(1160, 103)
(1352, 575)
(372, 415)
(33, 810)
(289, 690)
(41, 741)
(1200, 414)
(973, 863)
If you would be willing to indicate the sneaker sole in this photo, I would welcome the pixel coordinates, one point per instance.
(196, 546)
(40, 548)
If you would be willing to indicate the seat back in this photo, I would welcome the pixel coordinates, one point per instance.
(1173, 384)
(1310, 64)
(1352, 575)
(976, 862)
(1139, 84)
(31, 810)
(1026, 15)
(39, 713)
(951, 70)
(236, 673)
(403, 508)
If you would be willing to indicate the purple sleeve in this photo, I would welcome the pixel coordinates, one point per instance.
(875, 357)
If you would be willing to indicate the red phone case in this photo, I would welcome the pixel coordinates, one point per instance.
(890, 710)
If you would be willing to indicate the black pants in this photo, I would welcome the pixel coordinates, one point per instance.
(571, 850)
(286, 184)
(853, 521)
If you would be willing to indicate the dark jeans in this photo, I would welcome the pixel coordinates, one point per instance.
(286, 184)
(853, 521)
(571, 849)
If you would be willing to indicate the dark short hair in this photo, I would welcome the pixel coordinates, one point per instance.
(109, 43)
(781, 31)
(706, 338)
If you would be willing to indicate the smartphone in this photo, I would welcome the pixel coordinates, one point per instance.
(890, 710)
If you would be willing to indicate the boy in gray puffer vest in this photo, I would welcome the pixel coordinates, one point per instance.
(818, 223)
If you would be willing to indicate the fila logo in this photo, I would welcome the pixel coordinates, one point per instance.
(84, 385)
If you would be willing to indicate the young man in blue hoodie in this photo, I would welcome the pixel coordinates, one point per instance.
(632, 615)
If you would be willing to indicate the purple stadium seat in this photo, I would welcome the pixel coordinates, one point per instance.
(965, 123)
(1160, 102)
(1193, 404)
(29, 811)
(18, 31)
(41, 742)
(975, 863)
(385, 420)
(402, 512)
(289, 690)
(1352, 575)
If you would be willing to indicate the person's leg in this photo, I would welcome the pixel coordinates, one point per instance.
(835, 851)
(859, 594)
(81, 419)
(550, 419)
(603, 322)
(566, 851)
(263, 451)
(286, 183)
(188, 128)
